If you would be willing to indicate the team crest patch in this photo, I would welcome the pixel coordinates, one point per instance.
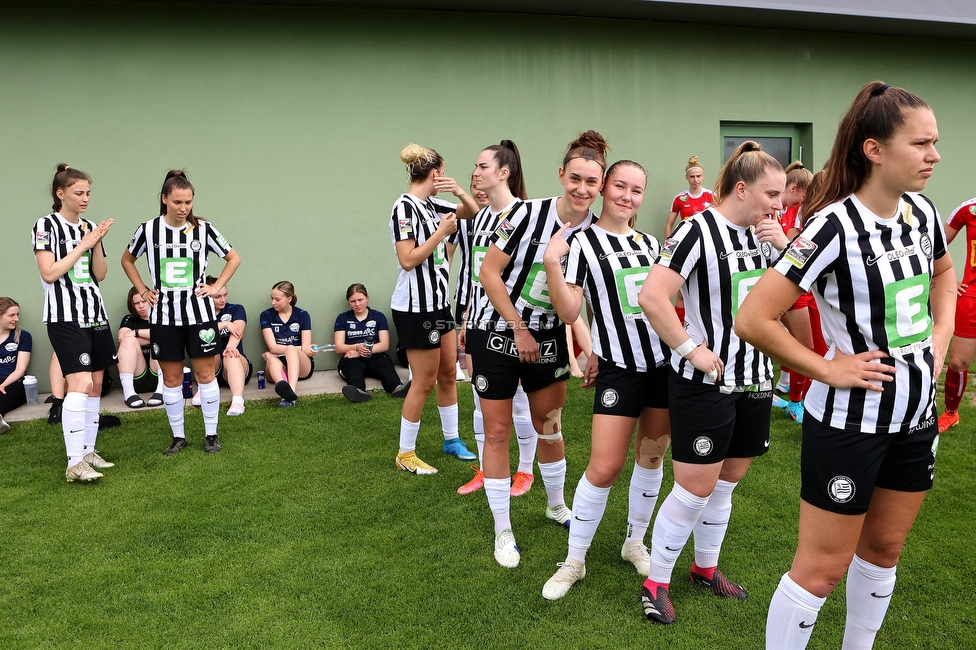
(481, 383)
(84, 359)
(371, 323)
(294, 327)
(155, 349)
(560, 371)
(683, 197)
(505, 230)
(972, 209)
(11, 347)
(841, 489)
(42, 237)
(926, 244)
(767, 250)
(225, 318)
(609, 398)
(195, 246)
(434, 337)
(207, 335)
(404, 226)
(800, 251)
(702, 445)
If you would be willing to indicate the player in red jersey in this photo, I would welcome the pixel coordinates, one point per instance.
(962, 350)
(688, 204)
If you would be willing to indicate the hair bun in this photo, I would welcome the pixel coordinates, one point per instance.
(414, 153)
(63, 167)
(591, 139)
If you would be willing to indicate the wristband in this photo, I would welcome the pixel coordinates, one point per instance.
(685, 348)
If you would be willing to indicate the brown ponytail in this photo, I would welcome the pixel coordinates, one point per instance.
(64, 178)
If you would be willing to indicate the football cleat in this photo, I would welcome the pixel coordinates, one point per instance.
(176, 447)
(569, 573)
(506, 551)
(212, 445)
(521, 483)
(779, 402)
(456, 447)
(795, 409)
(409, 462)
(97, 461)
(720, 585)
(81, 472)
(475, 484)
(560, 514)
(657, 605)
(636, 553)
(355, 394)
(948, 419)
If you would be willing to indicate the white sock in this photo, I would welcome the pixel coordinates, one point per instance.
(645, 485)
(784, 377)
(408, 435)
(869, 589)
(159, 382)
(792, 613)
(173, 399)
(92, 406)
(127, 380)
(525, 432)
(73, 426)
(499, 499)
(479, 439)
(554, 478)
(672, 527)
(477, 420)
(210, 406)
(449, 421)
(589, 503)
(712, 524)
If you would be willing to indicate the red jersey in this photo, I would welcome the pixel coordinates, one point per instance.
(688, 206)
(965, 217)
(790, 218)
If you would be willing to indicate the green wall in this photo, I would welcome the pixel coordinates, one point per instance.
(290, 120)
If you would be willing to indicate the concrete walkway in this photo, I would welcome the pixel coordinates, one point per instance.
(320, 383)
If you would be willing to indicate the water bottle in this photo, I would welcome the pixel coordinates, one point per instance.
(30, 388)
(462, 358)
(369, 343)
(187, 383)
(328, 347)
(261, 383)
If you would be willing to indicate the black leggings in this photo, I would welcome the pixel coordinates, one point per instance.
(14, 397)
(355, 370)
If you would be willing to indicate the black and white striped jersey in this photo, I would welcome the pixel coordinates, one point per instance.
(426, 287)
(611, 269)
(870, 277)
(720, 263)
(474, 245)
(74, 297)
(177, 260)
(523, 236)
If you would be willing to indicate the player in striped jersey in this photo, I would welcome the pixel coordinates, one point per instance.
(71, 260)
(688, 204)
(419, 226)
(874, 254)
(963, 348)
(720, 388)
(183, 320)
(607, 264)
(516, 336)
(498, 170)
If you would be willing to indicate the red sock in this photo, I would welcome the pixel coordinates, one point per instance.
(681, 314)
(955, 386)
(652, 586)
(798, 386)
(708, 573)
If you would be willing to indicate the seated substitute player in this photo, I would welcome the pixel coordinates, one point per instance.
(138, 371)
(362, 337)
(15, 352)
(287, 331)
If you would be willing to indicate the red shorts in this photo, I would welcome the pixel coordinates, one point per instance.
(966, 317)
(803, 302)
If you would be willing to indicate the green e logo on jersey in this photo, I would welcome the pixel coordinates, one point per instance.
(80, 273)
(536, 289)
(175, 272)
(440, 254)
(629, 283)
(742, 284)
(477, 258)
(906, 311)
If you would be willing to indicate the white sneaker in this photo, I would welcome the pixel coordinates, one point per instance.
(636, 553)
(569, 573)
(506, 552)
(4, 427)
(560, 514)
(236, 407)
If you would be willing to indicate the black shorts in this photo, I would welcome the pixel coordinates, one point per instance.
(148, 380)
(174, 342)
(498, 370)
(708, 426)
(422, 331)
(840, 469)
(220, 372)
(82, 349)
(311, 366)
(626, 392)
